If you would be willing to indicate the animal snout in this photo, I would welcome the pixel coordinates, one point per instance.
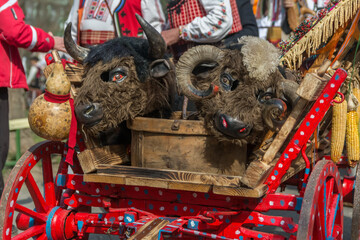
(231, 127)
(89, 114)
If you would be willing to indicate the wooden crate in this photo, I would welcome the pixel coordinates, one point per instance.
(183, 145)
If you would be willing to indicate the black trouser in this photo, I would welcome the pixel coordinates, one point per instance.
(4, 132)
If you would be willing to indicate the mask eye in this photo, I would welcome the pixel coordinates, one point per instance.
(117, 75)
(227, 82)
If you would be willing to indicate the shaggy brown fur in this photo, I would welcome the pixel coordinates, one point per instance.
(240, 103)
(127, 99)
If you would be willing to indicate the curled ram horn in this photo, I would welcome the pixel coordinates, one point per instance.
(76, 52)
(186, 64)
(274, 113)
(157, 45)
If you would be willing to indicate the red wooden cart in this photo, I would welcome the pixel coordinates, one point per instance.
(140, 203)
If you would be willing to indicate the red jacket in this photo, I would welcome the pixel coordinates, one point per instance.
(15, 33)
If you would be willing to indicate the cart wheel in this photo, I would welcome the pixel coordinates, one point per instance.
(321, 215)
(33, 220)
(355, 225)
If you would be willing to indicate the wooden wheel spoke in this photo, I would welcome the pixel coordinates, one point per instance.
(42, 237)
(48, 177)
(329, 191)
(37, 216)
(332, 214)
(36, 195)
(31, 232)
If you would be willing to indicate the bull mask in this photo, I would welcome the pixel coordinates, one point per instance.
(157, 45)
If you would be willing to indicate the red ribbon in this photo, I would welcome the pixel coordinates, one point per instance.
(73, 125)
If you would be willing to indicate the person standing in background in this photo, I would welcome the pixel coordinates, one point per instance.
(96, 21)
(219, 22)
(14, 34)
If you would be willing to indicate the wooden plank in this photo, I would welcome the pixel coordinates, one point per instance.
(186, 186)
(150, 230)
(20, 123)
(184, 149)
(170, 175)
(170, 126)
(104, 178)
(111, 155)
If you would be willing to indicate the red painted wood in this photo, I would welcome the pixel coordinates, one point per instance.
(305, 130)
(35, 193)
(48, 181)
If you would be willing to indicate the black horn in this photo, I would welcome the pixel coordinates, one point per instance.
(157, 45)
(76, 52)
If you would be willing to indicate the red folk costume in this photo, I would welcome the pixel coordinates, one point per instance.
(222, 18)
(101, 20)
(14, 34)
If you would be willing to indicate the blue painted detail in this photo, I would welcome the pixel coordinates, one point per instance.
(10, 215)
(100, 216)
(354, 185)
(151, 207)
(122, 189)
(259, 235)
(146, 191)
(317, 109)
(88, 202)
(175, 208)
(260, 225)
(336, 209)
(80, 225)
(83, 183)
(326, 95)
(251, 217)
(31, 222)
(112, 219)
(222, 237)
(207, 195)
(16, 190)
(241, 238)
(193, 224)
(337, 77)
(107, 187)
(48, 223)
(29, 164)
(304, 185)
(178, 196)
(227, 220)
(61, 180)
(307, 124)
(290, 226)
(215, 210)
(129, 218)
(191, 210)
(296, 141)
(282, 202)
(276, 172)
(71, 202)
(272, 220)
(178, 223)
(307, 170)
(286, 155)
(130, 202)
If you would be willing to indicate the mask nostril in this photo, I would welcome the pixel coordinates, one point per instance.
(89, 109)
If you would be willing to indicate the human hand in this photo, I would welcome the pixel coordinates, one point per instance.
(58, 43)
(171, 36)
